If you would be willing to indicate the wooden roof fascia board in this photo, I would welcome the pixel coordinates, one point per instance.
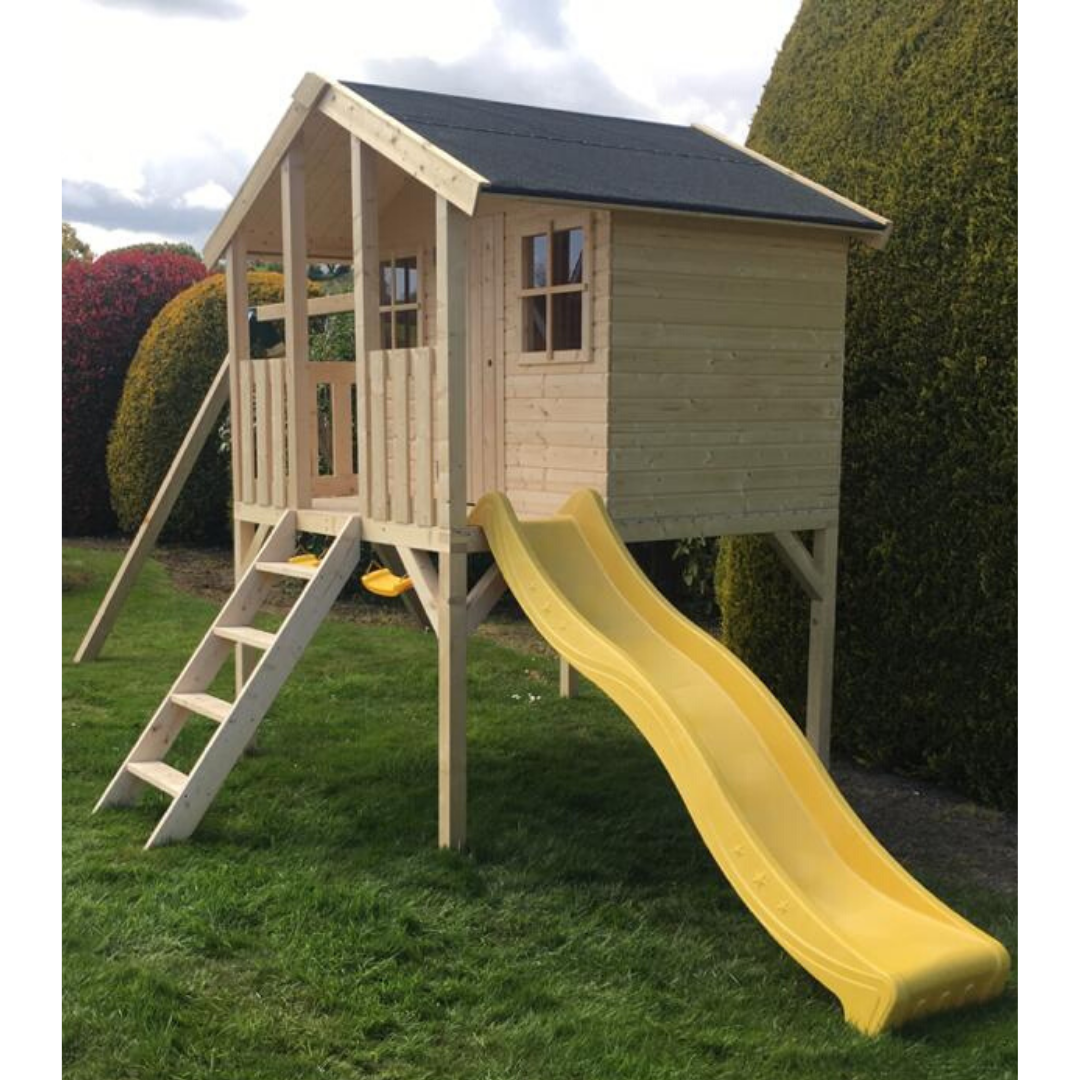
(415, 155)
(875, 239)
(304, 97)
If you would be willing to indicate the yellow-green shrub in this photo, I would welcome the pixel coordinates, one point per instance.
(167, 381)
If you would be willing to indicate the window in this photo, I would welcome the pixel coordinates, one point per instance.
(399, 302)
(553, 291)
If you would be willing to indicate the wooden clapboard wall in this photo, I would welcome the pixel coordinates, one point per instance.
(555, 413)
(727, 347)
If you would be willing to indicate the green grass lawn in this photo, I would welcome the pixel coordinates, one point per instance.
(312, 929)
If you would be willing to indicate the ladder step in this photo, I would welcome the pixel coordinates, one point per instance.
(158, 774)
(246, 635)
(213, 708)
(287, 569)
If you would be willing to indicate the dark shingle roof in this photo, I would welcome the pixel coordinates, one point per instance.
(524, 150)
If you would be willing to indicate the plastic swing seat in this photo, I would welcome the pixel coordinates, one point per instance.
(307, 559)
(384, 583)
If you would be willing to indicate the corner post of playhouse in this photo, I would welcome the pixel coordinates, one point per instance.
(819, 680)
(299, 403)
(236, 303)
(365, 234)
(451, 247)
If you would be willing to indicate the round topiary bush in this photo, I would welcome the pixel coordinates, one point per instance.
(106, 307)
(167, 381)
(910, 109)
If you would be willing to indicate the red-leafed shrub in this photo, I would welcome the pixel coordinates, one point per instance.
(107, 306)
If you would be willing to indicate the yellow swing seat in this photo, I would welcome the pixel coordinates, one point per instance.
(384, 583)
(307, 559)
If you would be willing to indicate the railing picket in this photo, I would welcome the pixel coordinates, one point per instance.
(280, 451)
(246, 441)
(377, 391)
(399, 370)
(262, 432)
(424, 496)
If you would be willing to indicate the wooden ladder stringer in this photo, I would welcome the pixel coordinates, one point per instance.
(237, 721)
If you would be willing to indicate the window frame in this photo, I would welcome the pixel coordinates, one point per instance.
(548, 224)
(393, 257)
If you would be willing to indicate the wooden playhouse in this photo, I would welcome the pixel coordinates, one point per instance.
(544, 301)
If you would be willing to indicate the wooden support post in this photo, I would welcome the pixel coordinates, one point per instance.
(365, 220)
(819, 682)
(236, 304)
(800, 562)
(483, 596)
(451, 246)
(205, 421)
(568, 680)
(294, 262)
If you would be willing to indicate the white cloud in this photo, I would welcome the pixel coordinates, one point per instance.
(208, 196)
(164, 114)
(198, 9)
(102, 240)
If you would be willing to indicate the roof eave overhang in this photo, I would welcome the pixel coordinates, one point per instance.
(415, 155)
(875, 236)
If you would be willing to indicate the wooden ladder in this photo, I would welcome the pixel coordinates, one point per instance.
(237, 720)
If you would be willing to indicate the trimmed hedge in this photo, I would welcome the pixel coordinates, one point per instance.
(167, 381)
(107, 305)
(158, 247)
(910, 109)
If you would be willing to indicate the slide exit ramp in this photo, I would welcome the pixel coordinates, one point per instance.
(793, 849)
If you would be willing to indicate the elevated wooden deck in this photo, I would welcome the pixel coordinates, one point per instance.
(328, 514)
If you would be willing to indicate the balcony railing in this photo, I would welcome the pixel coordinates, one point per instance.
(388, 465)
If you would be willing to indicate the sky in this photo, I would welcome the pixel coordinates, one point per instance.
(170, 101)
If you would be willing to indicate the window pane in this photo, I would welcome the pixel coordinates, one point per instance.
(385, 281)
(406, 329)
(534, 313)
(385, 330)
(567, 248)
(405, 281)
(536, 259)
(566, 321)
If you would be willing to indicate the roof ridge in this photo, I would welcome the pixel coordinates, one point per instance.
(744, 160)
(512, 104)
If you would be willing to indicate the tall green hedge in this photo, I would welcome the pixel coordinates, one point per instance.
(167, 381)
(910, 108)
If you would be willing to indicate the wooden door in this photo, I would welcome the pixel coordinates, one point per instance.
(485, 339)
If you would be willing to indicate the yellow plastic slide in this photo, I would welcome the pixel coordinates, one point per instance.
(790, 845)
